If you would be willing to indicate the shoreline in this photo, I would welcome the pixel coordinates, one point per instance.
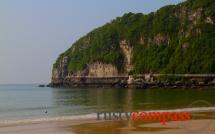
(138, 81)
(203, 120)
(133, 86)
(197, 112)
(207, 126)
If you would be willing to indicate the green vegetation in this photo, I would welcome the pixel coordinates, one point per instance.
(190, 47)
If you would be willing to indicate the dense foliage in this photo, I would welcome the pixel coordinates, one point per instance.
(190, 49)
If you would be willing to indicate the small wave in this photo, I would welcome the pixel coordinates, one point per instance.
(40, 120)
(93, 116)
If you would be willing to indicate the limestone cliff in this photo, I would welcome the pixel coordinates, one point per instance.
(102, 70)
(175, 39)
(127, 50)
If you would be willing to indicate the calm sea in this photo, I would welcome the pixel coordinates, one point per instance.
(18, 102)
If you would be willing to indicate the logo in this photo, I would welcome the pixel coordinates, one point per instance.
(162, 117)
(193, 113)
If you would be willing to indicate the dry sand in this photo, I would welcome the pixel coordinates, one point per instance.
(203, 126)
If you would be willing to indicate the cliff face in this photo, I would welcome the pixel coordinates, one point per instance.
(60, 72)
(102, 70)
(175, 39)
(127, 51)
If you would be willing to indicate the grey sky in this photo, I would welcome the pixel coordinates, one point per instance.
(34, 32)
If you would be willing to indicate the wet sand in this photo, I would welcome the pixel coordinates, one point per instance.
(201, 126)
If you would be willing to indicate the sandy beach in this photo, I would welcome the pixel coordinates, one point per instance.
(201, 126)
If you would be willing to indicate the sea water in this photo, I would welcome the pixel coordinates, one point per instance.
(32, 103)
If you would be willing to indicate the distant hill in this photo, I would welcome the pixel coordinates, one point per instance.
(175, 39)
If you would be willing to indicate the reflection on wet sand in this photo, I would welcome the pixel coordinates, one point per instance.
(129, 100)
(205, 124)
(201, 121)
(114, 127)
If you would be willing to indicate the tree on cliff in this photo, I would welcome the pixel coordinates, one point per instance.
(175, 39)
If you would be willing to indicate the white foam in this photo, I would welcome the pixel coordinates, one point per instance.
(61, 118)
(93, 116)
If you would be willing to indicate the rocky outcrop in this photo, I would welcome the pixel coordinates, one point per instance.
(209, 20)
(128, 55)
(185, 45)
(195, 16)
(60, 72)
(99, 69)
(135, 44)
(142, 40)
(160, 39)
(186, 13)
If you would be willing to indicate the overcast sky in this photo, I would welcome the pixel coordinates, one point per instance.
(34, 32)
